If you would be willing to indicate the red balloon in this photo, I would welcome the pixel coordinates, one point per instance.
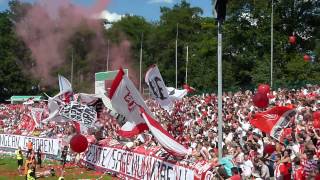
(264, 88)
(306, 58)
(260, 100)
(316, 115)
(292, 39)
(79, 143)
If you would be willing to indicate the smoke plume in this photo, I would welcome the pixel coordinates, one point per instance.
(47, 27)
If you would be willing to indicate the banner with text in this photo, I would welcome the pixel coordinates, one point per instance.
(140, 164)
(84, 114)
(48, 146)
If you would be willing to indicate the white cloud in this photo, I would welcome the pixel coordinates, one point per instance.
(160, 1)
(111, 17)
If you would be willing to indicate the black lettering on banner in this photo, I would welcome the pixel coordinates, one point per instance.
(13, 141)
(129, 162)
(136, 165)
(82, 113)
(156, 88)
(129, 100)
(163, 171)
(140, 166)
(50, 145)
(155, 169)
(149, 161)
(119, 156)
(114, 159)
(104, 157)
(123, 162)
(88, 153)
(169, 172)
(45, 146)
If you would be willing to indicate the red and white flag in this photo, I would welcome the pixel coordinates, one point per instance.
(274, 121)
(66, 93)
(36, 114)
(126, 100)
(166, 140)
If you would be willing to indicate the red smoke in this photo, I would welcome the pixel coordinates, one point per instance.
(121, 57)
(47, 27)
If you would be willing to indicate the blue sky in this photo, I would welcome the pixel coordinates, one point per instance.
(150, 9)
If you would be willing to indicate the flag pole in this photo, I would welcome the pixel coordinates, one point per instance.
(271, 50)
(219, 11)
(219, 90)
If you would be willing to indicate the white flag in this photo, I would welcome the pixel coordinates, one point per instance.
(64, 84)
(177, 94)
(158, 88)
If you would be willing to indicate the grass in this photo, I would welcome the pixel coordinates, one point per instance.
(8, 171)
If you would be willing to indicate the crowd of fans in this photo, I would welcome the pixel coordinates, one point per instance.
(247, 152)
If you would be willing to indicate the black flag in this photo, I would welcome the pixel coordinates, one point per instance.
(219, 11)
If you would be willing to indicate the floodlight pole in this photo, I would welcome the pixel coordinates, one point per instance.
(271, 50)
(177, 56)
(220, 90)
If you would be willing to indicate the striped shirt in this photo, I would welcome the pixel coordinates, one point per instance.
(310, 166)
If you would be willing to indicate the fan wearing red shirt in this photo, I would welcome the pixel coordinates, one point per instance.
(235, 174)
(299, 172)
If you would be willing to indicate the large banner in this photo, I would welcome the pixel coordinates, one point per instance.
(81, 113)
(48, 146)
(134, 165)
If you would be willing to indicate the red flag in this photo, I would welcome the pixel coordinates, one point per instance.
(274, 121)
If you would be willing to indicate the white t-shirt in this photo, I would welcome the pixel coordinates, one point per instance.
(246, 167)
(260, 150)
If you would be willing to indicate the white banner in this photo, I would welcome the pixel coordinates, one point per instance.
(134, 165)
(48, 146)
(81, 113)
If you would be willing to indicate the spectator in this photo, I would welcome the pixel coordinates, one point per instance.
(19, 156)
